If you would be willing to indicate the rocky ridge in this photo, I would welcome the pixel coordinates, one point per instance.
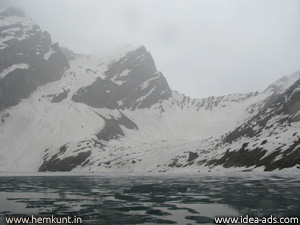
(119, 114)
(28, 57)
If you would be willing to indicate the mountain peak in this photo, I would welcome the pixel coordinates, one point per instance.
(130, 120)
(131, 81)
(283, 83)
(28, 57)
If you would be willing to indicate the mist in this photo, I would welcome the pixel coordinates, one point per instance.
(203, 48)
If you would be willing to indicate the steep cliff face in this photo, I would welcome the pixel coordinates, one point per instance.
(131, 82)
(271, 138)
(279, 109)
(28, 58)
(69, 54)
(117, 113)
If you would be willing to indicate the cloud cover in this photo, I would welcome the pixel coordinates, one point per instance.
(203, 47)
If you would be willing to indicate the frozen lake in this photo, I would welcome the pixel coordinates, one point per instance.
(150, 199)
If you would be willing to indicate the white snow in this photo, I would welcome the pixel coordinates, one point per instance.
(120, 103)
(124, 73)
(119, 82)
(49, 53)
(26, 24)
(195, 125)
(147, 82)
(285, 82)
(145, 96)
(6, 38)
(14, 67)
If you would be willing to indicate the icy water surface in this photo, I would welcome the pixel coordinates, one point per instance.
(150, 199)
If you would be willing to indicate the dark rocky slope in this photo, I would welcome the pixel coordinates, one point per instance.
(273, 122)
(131, 82)
(28, 58)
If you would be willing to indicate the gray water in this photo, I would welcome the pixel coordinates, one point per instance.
(150, 199)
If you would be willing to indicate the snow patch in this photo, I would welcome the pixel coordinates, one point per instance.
(124, 73)
(49, 53)
(147, 82)
(116, 77)
(145, 96)
(285, 82)
(14, 67)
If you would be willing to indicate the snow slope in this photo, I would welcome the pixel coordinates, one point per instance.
(117, 113)
(28, 57)
(50, 133)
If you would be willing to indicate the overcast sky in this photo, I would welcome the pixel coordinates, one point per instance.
(203, 47)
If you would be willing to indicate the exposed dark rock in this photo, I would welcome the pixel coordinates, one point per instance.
(112, 129)
(128, 123)
(290, 158)
(100, 94)
(173, 163)
(297, 158)
(257, 158)
(60, 96)
(69, 54)
(132, 82)
(263, 142)
(285, 108)
(192, 156)
(41, 60)
(64, 164)
(6, 115)
(239, 158)
(285, 105)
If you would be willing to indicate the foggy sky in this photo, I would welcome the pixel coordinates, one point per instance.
(203, 47)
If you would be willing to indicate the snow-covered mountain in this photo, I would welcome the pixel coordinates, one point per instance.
(271, 138)
(117, 113)
(28, 57)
